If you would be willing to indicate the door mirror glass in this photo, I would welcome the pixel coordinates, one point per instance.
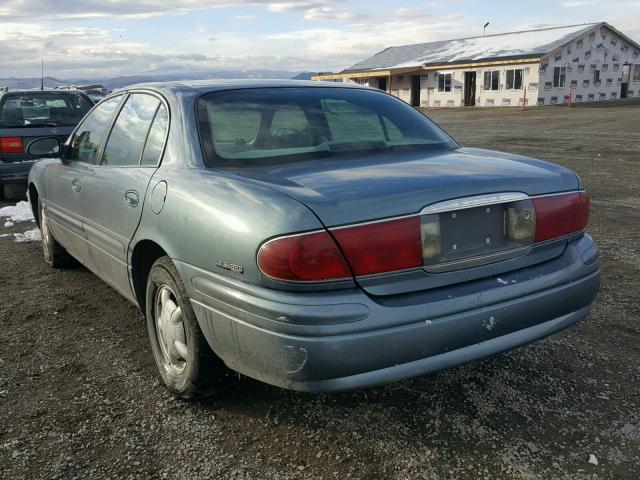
(44, 147)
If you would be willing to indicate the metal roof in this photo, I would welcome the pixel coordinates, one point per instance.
(513, 45)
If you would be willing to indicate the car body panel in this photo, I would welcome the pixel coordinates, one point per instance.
(63, 201)
(112, 202)
(397, 338)
(363, 188)
(334, 335)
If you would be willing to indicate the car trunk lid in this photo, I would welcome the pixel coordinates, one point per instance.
(359, 190)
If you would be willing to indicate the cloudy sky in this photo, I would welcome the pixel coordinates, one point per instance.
(107, 38)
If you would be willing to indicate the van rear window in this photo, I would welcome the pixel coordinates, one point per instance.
(40, 109)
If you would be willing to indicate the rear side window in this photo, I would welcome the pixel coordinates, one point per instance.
(130, 129)
(157, 135)
(85, 142)
(43, 109)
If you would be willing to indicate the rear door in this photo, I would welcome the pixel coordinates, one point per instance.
(114, 191)
(64, 189)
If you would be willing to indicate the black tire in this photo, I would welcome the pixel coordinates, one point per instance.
(54, 253)
(187, 376)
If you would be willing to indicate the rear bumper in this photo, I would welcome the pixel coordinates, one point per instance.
(331, 341)
(14, 172)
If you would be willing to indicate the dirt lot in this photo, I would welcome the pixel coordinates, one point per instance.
(79, 396)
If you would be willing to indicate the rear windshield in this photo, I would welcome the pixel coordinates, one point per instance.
(39, 109)
(264, 124)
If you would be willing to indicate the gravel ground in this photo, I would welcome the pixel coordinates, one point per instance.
(80, 398)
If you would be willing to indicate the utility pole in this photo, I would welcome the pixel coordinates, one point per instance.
(484, 29)
(42, 74)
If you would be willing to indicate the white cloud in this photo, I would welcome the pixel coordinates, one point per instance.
(323, 34)
(328, 14)
(74, 9)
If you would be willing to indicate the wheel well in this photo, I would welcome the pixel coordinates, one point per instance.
(33, 199)
(145, 253)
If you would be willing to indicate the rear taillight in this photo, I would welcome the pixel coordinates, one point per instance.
(559, 215)
(382, 246)
(307, 257)
(11, 145)
(416, 241)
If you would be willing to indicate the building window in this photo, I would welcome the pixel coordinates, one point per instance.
(559, 76)
(444, 82)
(492, 80)
(596, 76)
(514, 79)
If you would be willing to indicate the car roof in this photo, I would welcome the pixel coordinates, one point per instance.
(206, 86)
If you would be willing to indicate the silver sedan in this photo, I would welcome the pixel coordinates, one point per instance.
(318, 237)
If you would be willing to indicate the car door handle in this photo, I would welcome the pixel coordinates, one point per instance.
(75, 185)
(131, 198)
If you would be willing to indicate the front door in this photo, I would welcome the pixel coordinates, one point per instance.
(469, 89)
(114, 191)
(415, 90)
(626, 74)
(64, 181)
(382, 84)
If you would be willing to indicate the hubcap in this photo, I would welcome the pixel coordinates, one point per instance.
(170, 330)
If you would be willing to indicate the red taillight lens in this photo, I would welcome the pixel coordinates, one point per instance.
(303, 258)
(11, 145)
(558, 215)
(382, 246)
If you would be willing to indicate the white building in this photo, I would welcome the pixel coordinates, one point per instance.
(578, 63)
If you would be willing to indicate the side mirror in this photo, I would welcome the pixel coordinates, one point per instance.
(44, 147)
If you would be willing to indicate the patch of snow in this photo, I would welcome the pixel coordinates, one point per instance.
(9, 224)
(20, 212)
(501, 281)
(28, 236)
(593, 459)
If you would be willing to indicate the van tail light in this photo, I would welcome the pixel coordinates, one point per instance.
(11, 145)
(382, 246)
(307, 257)
(559, 215)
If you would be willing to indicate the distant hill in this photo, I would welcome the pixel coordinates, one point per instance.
(124, 81)
(304, 76)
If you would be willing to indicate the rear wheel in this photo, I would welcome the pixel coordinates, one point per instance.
(186, 363)
(54, 253)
